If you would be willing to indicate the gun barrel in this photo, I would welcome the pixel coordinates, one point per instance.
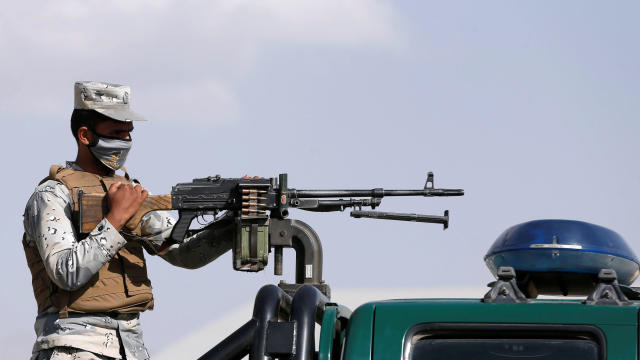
(375, 193)
(444, 192)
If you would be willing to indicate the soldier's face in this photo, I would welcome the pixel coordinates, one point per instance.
(115, 129)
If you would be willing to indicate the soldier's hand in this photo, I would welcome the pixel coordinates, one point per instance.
(124, 200)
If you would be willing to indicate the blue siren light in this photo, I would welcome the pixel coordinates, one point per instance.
(562, 256)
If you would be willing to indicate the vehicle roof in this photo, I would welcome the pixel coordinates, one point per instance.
(535, 310)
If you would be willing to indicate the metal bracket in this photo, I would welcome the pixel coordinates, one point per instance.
(281, 337)
(607, 292)
(632, 293)
(303, 239)
(505, 289)
(291, 289)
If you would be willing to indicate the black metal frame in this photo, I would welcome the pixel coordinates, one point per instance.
(505, 289)
(607, 291)
(296, 336)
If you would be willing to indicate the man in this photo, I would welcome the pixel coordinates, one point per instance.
(90, 288)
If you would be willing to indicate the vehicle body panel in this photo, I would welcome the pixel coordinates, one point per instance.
(359, 333)
(377, 330)
(332, 331)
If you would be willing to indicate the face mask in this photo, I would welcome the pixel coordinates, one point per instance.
(111, 151)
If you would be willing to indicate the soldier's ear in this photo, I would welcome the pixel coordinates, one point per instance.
(85, 136)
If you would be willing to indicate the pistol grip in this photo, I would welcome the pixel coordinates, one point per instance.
(182, 226)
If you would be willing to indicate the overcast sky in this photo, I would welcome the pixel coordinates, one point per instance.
(531, 107)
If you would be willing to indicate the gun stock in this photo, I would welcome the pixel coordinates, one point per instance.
(93, 208)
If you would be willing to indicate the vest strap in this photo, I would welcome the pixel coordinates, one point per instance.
(126, 174)
(64, 313)
(63, 297)
(53, 170)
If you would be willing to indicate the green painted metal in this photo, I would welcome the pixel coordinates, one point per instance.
(243, 259)
(376, 330)
(621, 341)
(327, 332)
(359, 333)
(335, 316)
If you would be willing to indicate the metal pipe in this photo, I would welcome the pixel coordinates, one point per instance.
(307, 308)
(306, 243)
(235, 346)
(277, 260)
(269, 300)
(250, 339)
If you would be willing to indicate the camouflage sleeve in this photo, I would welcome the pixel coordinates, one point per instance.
(69, 261)
(197, 250)
(156, 226)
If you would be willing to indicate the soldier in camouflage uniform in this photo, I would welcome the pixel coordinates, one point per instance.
(90, 288)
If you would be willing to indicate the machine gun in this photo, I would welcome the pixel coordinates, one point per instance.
(260, 208)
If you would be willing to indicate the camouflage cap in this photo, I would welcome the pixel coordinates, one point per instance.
(111, 100)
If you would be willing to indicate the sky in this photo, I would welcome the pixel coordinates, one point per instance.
(531, 107)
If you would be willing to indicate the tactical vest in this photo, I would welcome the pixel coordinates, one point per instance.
(121, 285)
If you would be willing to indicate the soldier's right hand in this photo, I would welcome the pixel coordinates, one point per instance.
(124, 201)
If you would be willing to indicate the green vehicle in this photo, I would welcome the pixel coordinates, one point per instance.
(473, 329)
(591, 264)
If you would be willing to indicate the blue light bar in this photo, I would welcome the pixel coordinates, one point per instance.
(563, 246)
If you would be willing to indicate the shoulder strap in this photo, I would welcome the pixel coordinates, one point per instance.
(126, 174)
(53, 170)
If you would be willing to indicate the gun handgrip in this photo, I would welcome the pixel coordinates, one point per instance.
(182, 226)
